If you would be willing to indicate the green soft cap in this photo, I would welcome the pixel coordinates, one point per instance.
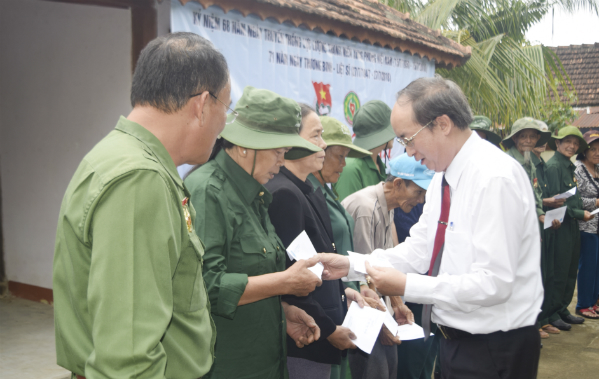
(526, 123)
(337, 134)
(371, 123)
(267, 121)
(483, 124)
(565, 132)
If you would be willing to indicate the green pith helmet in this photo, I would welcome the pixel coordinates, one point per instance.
(568, 131)
(483, 124)
(337, 134)
(371, 123)
(522, 124)
(265, 121)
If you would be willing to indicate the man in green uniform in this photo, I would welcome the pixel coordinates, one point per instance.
(374, 133)
(547, 236)
(129, 297)
(560, 174)
(481, 125)
(526, 135)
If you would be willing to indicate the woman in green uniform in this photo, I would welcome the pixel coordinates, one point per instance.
(547, 259)
(338, 138)
(560, 175)
(244, 260)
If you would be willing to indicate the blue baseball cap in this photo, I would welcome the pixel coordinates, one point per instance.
(408, 168)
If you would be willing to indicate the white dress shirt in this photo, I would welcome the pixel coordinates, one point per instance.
(489, 278)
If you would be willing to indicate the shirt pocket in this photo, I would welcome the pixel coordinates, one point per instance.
(188, 285)
(258, 257)
(457, 255)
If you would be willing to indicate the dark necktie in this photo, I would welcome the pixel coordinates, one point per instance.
(438, 247)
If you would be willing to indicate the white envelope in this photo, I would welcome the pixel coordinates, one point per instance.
(389, 320)
(366, 324)
(302, 248)
(409, 332)
(566, 195)
(555, 214)
(360, 259)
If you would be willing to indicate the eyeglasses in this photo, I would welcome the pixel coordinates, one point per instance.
(231, 111)
(407, 141)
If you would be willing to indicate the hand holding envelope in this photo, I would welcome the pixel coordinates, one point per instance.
(302, 248)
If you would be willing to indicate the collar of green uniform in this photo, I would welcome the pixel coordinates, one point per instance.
(317, 184)
(330, 196)
(153, 143)
(536, 161)
(562, 159)
(372, 166)
(246, 185)
(513, 152)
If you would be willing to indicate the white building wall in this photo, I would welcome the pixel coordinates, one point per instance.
(65, 75)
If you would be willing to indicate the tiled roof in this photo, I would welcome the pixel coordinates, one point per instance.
(581, 64)
(585, 120)
(359, 20)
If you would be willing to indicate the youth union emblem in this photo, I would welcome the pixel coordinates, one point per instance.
(351, 105)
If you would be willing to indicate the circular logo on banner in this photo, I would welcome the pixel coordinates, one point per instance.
(351, 105)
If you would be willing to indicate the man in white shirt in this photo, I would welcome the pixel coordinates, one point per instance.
(477, 240)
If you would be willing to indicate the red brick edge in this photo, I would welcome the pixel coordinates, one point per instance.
(29, 292)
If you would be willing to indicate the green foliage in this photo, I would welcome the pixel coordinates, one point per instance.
(558, 114)
(506, 78)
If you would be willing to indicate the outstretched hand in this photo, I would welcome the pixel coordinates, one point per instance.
(336, 265)
(402, 313)
(388, 281)
(387, 338)
(300, 326)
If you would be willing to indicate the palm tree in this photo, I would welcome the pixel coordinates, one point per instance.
(506, 78)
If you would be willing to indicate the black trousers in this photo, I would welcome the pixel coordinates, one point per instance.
(511, 355)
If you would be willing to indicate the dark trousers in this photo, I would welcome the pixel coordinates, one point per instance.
(499, 355)
(566, 261)
(416, 358)
(382, 363)
(548, 313)
(587, 278)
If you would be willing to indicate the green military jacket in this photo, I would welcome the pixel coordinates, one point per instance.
(240, 242)
(540, 169)
(531, 171)
(560, 174)
(342, 224)
(129, 299)
(359, 173)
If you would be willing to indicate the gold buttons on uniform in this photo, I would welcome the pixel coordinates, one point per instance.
(264, 250)
(261, 193)
(277, 247)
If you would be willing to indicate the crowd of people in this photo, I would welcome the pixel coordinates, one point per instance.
(156, 276)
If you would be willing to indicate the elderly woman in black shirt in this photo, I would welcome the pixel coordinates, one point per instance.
(297, 207)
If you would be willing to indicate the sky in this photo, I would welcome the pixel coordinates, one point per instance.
(582, 27)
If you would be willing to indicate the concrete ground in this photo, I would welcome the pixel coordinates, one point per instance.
(27, 341)
(27, 346)
(572, 354)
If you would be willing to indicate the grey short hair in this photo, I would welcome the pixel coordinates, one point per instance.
(305, 110)
(434, 97)
(390, 178)
(175, 66)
